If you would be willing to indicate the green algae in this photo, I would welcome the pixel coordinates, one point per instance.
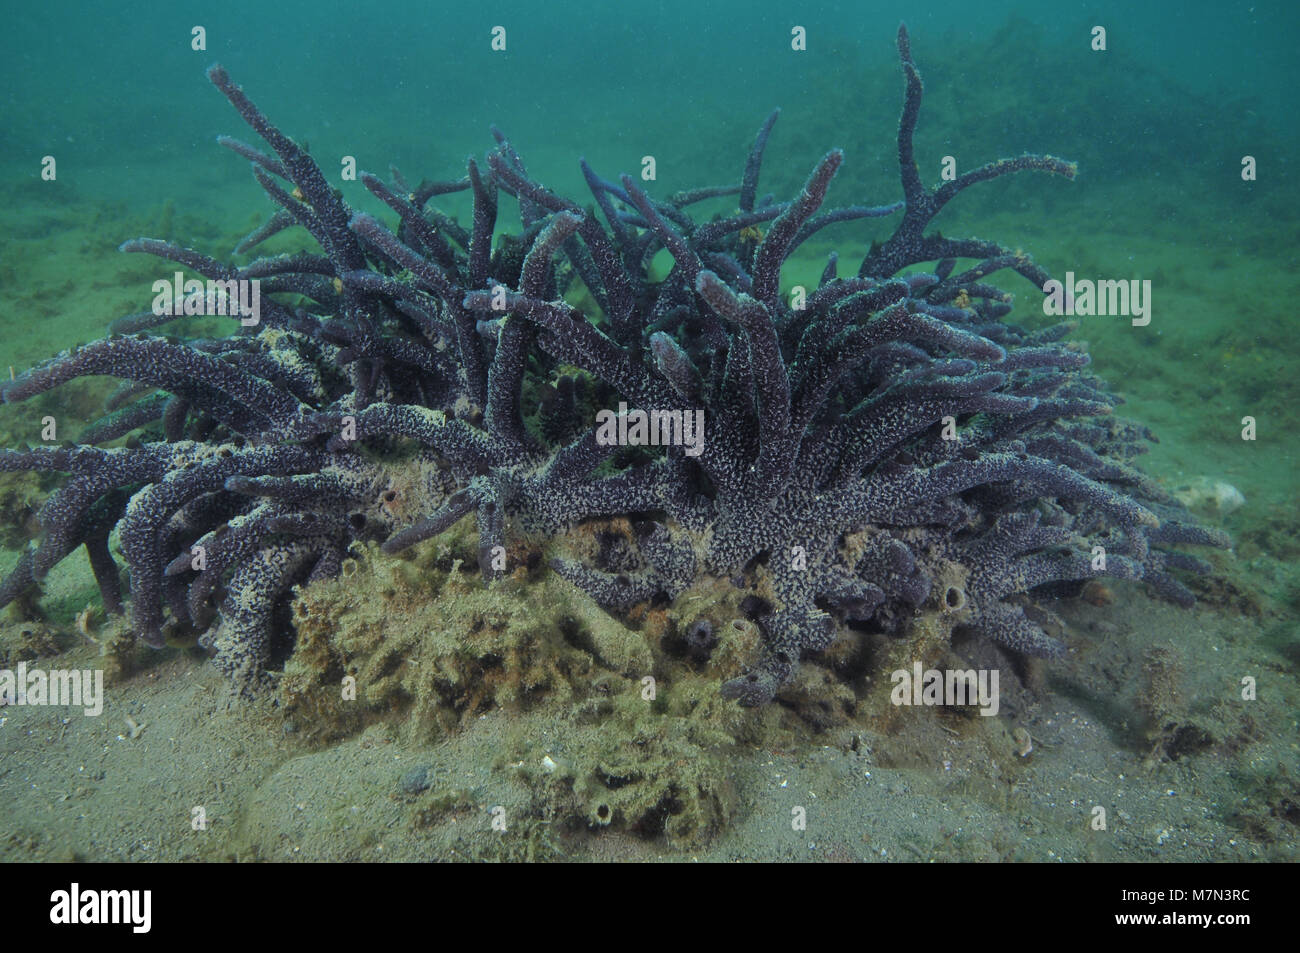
(611, 726)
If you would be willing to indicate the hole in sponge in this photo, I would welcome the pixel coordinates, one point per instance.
(954, 599)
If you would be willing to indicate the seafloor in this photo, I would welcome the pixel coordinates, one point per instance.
(1145, 718)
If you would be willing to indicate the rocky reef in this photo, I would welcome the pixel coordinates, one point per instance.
(876, 449)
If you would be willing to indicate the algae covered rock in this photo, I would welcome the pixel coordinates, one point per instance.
(610, 726)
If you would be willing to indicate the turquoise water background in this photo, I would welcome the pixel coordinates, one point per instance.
(115, 91)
